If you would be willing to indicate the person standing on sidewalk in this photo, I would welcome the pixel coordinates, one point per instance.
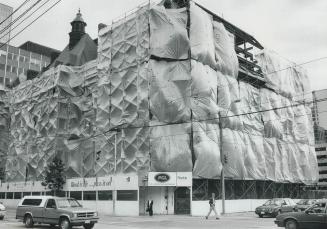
(150, 207)
(212, 204)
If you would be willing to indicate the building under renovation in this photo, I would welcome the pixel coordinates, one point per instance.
(175, 95)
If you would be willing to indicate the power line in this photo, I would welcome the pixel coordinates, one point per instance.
(31, 23)
(21, 5)
(31, 14)
(19, 17)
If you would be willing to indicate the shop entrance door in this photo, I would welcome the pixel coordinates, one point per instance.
(182, 201)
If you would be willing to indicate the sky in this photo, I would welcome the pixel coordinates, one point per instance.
(296, 29)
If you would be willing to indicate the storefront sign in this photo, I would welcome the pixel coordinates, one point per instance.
(161, 179)
(29, 186)
(184, 179)
(90, 184)
(177, 179)
(126, 182)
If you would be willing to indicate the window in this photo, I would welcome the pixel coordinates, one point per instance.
(2, 66)
(51, 203)
(104, 195)
(22, 59)
(76, 195)
(61, 194)
(2, 195)
(32, 202)
(10, 56)
(127, 195)
(89, 195)
(17, 195)
(318, 208)
(14, 69)
(36, 193)
(10, 195)
(26, 194)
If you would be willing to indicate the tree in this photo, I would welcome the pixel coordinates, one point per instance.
(54, 175)
(2, 174)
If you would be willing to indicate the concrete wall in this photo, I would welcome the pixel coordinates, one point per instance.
(201, 208)
(127, 208)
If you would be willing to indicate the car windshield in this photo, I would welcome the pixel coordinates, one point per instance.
(68, 203)
(273, 202)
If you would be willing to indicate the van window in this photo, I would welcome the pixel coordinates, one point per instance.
(32, 202)
(51, 203)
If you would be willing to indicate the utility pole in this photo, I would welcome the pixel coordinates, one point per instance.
(222, 156)
(222, 177)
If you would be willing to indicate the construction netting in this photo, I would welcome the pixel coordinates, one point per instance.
(164, 82)
(4, 128)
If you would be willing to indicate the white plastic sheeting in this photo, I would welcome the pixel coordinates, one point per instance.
(284, 76)
(49, 116)
(167, 105)
(4, 127)
(226, 58)
(170, 91)
(201, 36)
(169, 37)
(206, 150)
(170, 148)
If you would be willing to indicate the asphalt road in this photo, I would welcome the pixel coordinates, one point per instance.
(231, 221)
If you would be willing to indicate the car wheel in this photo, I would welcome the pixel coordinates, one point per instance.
(88, 226)
(1, 217)
(64, 224)
(28, 220)
(260, 215)
(291, 224)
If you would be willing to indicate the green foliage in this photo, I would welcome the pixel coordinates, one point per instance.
(54, 178)
(2, 174)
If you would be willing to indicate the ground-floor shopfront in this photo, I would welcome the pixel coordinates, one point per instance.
(172, 193)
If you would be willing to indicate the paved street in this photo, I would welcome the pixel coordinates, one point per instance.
(232, 221)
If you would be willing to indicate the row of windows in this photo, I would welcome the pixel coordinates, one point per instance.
(122, 195)
(12, 69)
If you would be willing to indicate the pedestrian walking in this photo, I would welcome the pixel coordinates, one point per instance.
(212, 203)
(149, 207)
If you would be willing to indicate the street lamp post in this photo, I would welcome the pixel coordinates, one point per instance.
(116, 131)
(222, 157)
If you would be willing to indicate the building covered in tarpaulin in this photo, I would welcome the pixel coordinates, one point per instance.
(175, 97)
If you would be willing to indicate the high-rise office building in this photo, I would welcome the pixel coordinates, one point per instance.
(5, 21)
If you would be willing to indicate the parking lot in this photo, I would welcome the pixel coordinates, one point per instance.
(231, 221)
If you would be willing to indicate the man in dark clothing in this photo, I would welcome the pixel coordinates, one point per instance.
(150, 207)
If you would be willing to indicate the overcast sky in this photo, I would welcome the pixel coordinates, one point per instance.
(296, 29)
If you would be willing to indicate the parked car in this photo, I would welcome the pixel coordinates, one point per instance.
(315, 217)
(65, 212)
(2, 211)
(304, 204)
(275, 207)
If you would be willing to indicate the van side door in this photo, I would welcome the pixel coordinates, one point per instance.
(50, 215)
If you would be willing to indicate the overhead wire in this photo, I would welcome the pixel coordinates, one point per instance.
(31, 14)
(28, 25)
(15, 11)
(18, 18)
